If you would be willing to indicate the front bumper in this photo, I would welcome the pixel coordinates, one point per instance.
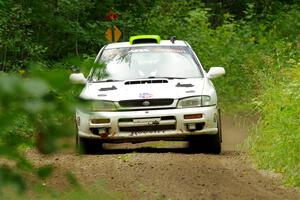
(147, 125)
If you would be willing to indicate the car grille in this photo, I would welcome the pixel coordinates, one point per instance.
(146, 102)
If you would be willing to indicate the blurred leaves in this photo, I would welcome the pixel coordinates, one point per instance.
(37, 109)
(11, 177)
(45, 171)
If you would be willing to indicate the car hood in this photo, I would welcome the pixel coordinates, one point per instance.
(138, 89)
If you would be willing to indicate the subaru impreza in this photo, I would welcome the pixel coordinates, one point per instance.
(148, 90)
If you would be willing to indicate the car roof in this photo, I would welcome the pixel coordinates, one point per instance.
(162, 43)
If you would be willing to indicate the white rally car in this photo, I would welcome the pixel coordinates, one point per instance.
(150, 89)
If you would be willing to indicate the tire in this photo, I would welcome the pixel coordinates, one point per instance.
(207, 143)
(88, 146)
(198, 144)
(216, 140)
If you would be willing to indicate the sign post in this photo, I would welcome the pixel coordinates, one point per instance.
(113, 34)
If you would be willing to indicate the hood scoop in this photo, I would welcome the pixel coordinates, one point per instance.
(150, 81)
(108, 88)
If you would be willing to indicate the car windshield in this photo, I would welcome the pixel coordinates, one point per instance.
(146, 62)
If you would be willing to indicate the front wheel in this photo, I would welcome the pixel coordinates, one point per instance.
(205, 144)
(216, 140)
(208, 143)
(88, 146)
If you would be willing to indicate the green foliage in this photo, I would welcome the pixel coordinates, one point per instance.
(34, 107)
(31, 30)
(16, 43)
(275, 144)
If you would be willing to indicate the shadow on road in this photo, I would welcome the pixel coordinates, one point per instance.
(181, 148)
(147, 150)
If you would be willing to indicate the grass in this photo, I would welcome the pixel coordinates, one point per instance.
(275, 142)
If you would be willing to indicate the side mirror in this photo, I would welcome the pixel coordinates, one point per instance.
(215, 72)
(78, 78)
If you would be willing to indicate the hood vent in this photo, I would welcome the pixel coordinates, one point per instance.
(152, 81)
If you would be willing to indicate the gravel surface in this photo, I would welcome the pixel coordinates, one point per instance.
(166, 170)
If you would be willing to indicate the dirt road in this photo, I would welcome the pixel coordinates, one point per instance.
(163, 170)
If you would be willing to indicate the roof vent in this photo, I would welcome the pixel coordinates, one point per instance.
(141, 39)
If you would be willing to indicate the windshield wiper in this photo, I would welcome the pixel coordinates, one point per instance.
(167, 77)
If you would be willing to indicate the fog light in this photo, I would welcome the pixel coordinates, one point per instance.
(100, 121)
(103, 132)
(193, 116)
(191, 127)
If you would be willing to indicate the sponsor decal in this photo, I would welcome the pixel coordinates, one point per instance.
(145, 95)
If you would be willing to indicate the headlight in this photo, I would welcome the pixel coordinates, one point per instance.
(102, 105)
(97, 105)
(194, 102)
(206, 101)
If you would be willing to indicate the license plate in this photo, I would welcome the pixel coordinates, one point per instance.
(146, 120)
(135, 133)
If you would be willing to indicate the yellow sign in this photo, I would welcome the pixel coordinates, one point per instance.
(113, 36)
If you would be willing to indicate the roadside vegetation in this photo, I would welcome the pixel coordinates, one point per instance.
(275, 142)
(257, 42)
